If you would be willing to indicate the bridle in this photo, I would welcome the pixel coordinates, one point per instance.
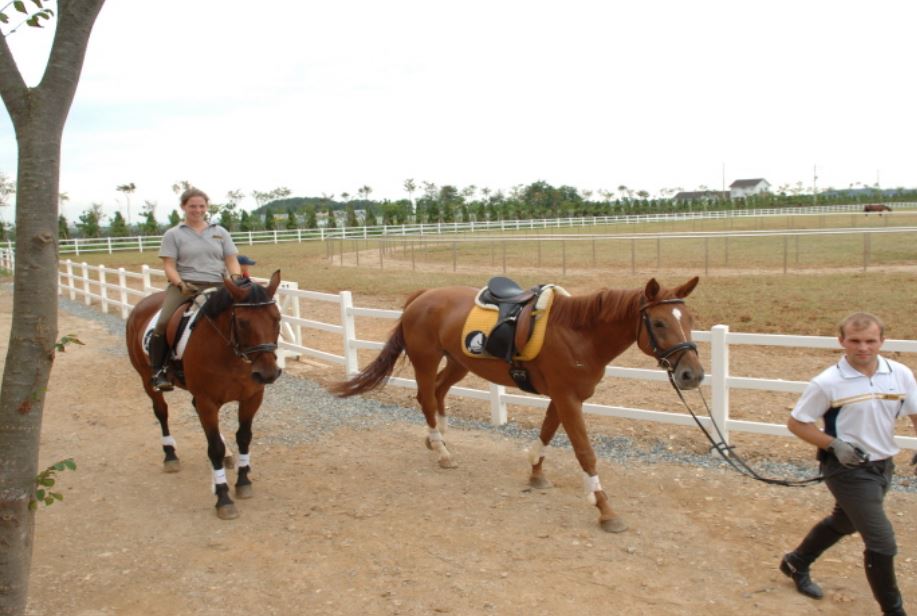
(725, 450)
(662, 355)
(233, 339)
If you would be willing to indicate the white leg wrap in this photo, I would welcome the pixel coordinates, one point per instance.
(245, 459)
(218, 477)
(442, 424)
(592, 485)
(537, 451)
(168, 440)
(435, 437)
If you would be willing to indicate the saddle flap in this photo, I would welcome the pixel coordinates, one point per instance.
(174, 322)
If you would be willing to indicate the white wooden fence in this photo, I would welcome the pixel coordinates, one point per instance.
(77, 246)
(96, 284)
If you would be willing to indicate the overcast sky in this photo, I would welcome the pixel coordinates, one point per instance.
(326, 97)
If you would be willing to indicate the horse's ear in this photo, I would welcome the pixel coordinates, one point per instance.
(237, 292)
(273, 284)
(651, 290)
(685, 289)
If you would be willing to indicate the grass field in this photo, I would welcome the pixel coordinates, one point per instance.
(743, 283)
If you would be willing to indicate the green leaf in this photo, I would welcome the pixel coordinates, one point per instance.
(46, 481)
(4, 18)
(69, 463)
(33, 21)
(57, 496)
(19, 5)
(40, 494)
(37, 3)
(33, 505)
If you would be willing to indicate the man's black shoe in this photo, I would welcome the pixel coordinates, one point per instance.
(800, 577)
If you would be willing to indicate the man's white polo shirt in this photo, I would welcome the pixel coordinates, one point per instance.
(859, 409)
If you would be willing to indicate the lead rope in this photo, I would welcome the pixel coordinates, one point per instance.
(727, 452)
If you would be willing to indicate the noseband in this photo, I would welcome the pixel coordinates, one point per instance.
(233, 341)
(662, 355)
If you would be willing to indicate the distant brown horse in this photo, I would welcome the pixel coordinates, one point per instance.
(876, 207)
(583, 334)
(230, 356)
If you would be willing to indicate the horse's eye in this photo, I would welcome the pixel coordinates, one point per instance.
(658, 324)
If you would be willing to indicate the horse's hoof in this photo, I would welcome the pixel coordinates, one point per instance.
(171, 466)
(613, 525)
(447, 463)
(426, 441)
(244, 491)
(227, 512)
(539, 482)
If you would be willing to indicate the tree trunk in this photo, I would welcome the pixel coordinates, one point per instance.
(38, 115)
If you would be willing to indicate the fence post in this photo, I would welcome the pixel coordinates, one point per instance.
(122, 286)
(70, 280)
(719, 378)
(109, 244)
(140, 242)
(497, 405)
(351, 365)
(103, 290)
(87, 298)
(147, 283)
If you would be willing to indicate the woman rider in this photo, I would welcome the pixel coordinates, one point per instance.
(196, 254)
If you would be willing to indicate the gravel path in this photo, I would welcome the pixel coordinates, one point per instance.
(285, 420)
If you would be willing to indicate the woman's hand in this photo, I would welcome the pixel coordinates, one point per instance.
(188, 289)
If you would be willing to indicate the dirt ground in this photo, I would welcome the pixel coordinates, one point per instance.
(364, 522)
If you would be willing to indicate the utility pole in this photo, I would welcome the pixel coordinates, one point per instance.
(814, 185)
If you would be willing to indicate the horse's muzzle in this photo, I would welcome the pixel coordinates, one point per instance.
(687, 377)
(266, 377)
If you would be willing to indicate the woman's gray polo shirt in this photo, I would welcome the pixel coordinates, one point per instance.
(199, 257)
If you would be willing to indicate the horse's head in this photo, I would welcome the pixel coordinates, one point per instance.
(665, 332)
(255, 326)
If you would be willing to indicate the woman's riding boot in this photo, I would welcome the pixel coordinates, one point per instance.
(880, 571)
(795, 565)
(159, 351)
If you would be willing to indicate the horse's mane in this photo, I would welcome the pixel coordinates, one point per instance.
(220, 300)
(600, 307)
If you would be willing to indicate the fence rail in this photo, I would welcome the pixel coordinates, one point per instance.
(94, 285)
(78, 246)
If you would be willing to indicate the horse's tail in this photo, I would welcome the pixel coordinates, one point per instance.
(375, 374)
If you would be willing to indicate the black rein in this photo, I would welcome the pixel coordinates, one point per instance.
(726, 451)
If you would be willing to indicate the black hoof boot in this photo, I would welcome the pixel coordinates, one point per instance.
(800, 577)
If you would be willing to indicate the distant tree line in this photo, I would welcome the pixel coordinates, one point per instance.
(276, 209)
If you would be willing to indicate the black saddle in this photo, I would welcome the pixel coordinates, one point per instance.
(501, 290)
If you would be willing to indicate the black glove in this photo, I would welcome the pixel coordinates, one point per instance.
(848, 455)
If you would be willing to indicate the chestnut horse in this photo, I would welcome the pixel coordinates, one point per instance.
(230, 356)
(584, 333)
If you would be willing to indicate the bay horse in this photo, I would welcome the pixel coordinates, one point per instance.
(583, 334)
(230, 356)
(876, 207)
